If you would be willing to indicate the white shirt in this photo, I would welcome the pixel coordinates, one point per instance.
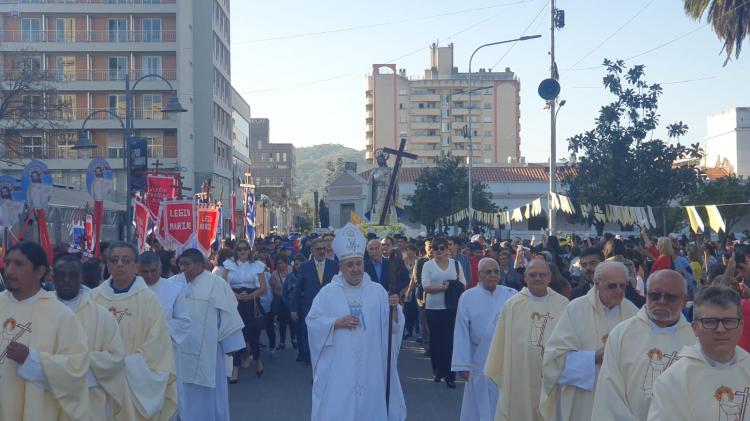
(433, 276)
(243, 274)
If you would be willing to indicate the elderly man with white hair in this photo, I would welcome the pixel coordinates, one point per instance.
(478, 310)
(641, 348)
(575, 350)
(348, 334)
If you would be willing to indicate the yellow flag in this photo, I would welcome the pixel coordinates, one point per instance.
(696, 223)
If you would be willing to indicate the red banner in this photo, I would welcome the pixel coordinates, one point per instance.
(179, 221)
(97, 225)
(140, 220)
(208, 224)
(159, 188)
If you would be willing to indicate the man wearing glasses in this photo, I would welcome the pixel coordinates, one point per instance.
(711, 379)
(575, 350)
(641, 348)
(149, 360)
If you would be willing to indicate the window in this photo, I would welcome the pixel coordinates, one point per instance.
(65, 68)
(31, 64)
(487, 161)
(283, 157)
(117, 104)
(152, 106)
(151, 31)
(401, 107)
(115, 147)
(31, 30)
(32, 105)
(446, 140)
(33, 147)
(487, 147)
(155, 145)
(151, 65)
(64, 145)
(66, 104)
(487, 105)
(65, 30)
(488, 133)
(487, 119)
(446, 127)
(403, 92)
(117, 66)
(118, 30)
(487, 91)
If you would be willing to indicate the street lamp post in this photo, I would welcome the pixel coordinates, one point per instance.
(84, 141)
(470, 134)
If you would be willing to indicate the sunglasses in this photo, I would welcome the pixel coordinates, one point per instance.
(441, 248)
(125, 260)
(242, 249)
(730, 323)
(656, 296)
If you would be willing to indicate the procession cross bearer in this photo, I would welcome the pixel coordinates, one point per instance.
(641, 348)
(478, 310)
(575, 350)
(348, 334)
(108, 393)
(514, 362)
(216, 331)
(149, 360)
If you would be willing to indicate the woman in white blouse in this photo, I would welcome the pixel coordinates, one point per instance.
(246, 278)
(436, 274)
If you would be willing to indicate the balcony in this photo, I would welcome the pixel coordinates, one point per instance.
(93, 75)
(66, 152)
(433, 125)
(424, 98)
(87, 36)
(73, 114)
(425, 111)
(425, 139)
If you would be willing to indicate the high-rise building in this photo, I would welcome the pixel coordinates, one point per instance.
(728, 140)
(433, 112)
(86, 48)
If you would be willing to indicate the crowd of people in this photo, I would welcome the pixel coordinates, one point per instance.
(564, 329)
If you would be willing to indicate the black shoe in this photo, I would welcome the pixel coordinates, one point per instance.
(437, 379)
(451, 384)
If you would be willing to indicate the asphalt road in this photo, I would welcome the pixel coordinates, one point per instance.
(283, 393)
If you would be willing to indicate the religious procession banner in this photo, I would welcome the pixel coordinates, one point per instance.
(36, 182)
(159, 188)
(208, 226)
(250, 216)
(12, 201)
(99, 184)
(140, 222)
(179, 222)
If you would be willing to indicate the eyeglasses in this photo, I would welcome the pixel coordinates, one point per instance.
(729, 323)
(242, 249)
(125, 260)
(614, 286)
(656, 296)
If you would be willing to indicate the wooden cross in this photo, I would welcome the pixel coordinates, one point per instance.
(156, 165)
(394, 175)
(745, 395)
(179, 186)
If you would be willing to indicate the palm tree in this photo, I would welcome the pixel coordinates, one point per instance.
(730, 20)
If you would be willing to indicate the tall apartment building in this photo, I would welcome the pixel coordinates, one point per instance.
(273, 172)
(431, 112)
(86, 48)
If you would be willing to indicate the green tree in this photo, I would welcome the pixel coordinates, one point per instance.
(730, 20)
(619, 161)
(443, 190)
(731, 189)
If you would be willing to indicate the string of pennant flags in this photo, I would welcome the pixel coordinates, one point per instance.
(614, 214)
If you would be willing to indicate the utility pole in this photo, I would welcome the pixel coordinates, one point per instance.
(553, 128)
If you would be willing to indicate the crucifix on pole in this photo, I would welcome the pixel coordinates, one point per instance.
(156, 166)
(179, 186)
(400, 153)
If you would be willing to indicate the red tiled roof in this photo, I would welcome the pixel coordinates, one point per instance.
(529, 173)
(716, 173)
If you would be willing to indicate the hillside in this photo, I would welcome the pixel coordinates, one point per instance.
(311, 166)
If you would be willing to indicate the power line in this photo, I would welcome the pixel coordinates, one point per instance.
(674, 82)
(632, 18)
(522, 34)
(379, 24)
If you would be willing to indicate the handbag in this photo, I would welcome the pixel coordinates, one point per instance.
(454, 291)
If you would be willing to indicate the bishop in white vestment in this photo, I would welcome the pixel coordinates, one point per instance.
(216, 331)
(149, 360)
(478, 310)
(641, 348)
(574, 351)
(514, 362)
(348, 334)
(711, 379)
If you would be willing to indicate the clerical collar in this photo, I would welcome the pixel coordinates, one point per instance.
(716, 364)
(72, 303)
(668, 330)
(123, 290)
(533, 297)
(31, 300)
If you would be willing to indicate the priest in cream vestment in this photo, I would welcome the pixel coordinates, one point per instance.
(149, 363)
(43, 352)
(639, 349)
(108, 393)
(711, 379)
(216, 331)
(574, 351)
(514, 362)
(478, 310)
(348, 332)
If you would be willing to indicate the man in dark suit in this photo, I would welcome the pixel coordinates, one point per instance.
(313, 274)
(382, 269)
(590, 259)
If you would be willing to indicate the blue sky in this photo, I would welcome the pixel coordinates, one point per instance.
(313, 87)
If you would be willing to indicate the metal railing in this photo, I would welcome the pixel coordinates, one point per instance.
(92, 75)
(115, 36)
(66, 151)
